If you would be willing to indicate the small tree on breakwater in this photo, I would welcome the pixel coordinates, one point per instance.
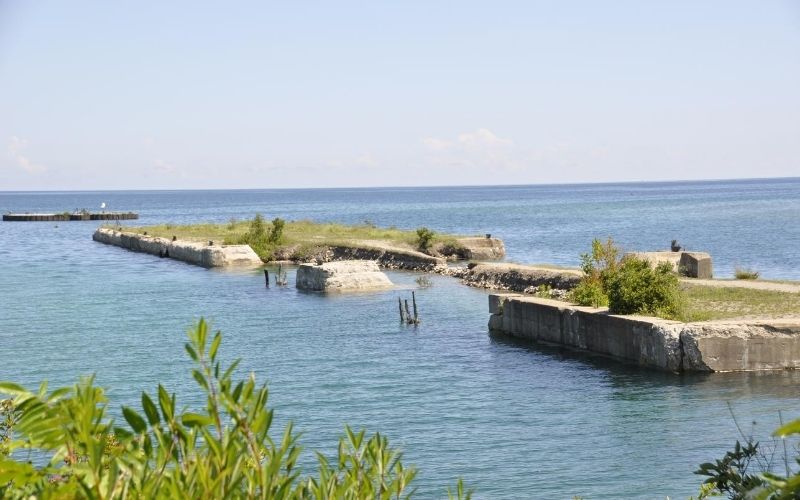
(627, 285)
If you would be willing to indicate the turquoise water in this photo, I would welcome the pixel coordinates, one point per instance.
(514, 420)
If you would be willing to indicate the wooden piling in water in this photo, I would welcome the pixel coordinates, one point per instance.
(266, 277)
(414, 300)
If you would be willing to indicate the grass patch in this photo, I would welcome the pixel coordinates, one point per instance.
(703, 303)
(303, 234)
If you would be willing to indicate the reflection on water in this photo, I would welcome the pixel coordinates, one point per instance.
(777, 383)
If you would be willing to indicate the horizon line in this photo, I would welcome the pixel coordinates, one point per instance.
(431, 186)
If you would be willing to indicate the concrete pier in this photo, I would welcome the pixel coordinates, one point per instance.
(65, 217)
(199, 254)
(713, 346)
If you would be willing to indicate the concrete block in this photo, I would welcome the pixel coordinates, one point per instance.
(696, 265)
(341, 276)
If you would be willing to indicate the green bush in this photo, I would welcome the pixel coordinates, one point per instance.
(639, 288)
(589, 292)
(597, 267)
(746, 274)
(627, 285)
(164, 450)
(425, 238)
(276, 231)
(258, 238)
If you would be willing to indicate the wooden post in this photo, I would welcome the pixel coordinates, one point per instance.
(414, 300)
(408, 313)
(266, 277)
(400, 304)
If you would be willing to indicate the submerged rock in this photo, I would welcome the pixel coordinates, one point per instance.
(342, 276)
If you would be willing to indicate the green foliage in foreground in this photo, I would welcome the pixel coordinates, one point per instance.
(733, 476)
(627, 285)
(224, 451)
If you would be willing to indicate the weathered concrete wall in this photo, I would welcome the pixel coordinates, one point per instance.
(743, 346)
(690, 264)
(342, 276)
(483, 248)
(390, 258)
(651, 342)
(476, 248)
(190, 252)
(515, 277)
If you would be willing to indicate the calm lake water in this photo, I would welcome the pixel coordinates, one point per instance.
(516, 421)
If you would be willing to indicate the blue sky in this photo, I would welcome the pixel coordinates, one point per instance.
(179, 94)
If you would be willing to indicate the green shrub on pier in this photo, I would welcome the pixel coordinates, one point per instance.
(164, 450)
(597, 267)
(263, 241)
(257, 237)
(627, 285)
(276, 231)
(746, 274)
(637, 287)
(425, 238)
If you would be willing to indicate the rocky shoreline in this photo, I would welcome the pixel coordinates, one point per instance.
(516, 278)
(386, 257)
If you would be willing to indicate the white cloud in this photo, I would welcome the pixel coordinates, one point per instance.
(482, 138)
(435, 144)
(476, 150)
(163, 167)
(366, 160)
(16, 150)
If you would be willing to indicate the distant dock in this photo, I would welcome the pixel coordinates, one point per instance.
(69, 216)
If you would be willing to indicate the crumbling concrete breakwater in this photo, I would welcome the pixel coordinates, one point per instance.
(651, 342)
(515, 277)
(389, 256)
(217, 255)
(358, 275)
(190, 252)
(386, 257)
